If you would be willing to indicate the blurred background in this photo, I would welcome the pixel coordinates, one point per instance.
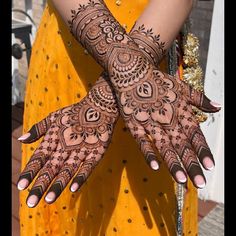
(207, 23)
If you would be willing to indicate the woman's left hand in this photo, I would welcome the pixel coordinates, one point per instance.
(75, 138)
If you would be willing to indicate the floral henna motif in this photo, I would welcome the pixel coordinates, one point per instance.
(103, 98)
(145, 95)
(75, 135)
(149, 43)
(95, 29)
(150, 101)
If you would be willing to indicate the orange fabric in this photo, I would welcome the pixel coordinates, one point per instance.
(123, 196)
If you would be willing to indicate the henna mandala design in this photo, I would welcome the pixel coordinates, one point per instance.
(148, 99)
(151, 101)
(155, 106)
(128, 67)
(76, 137)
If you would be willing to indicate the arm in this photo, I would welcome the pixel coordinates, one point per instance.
(151, 102)
(149, 44)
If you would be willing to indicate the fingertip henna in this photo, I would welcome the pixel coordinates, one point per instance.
(23, 137)
(152, 162)
(35, 191)
(57, 189)
(37, 131)
(80, 179)
(206, 153)
(207, 105)
(32, 137)
(28, 176)
(32, 201)
(23, 182)
(178, 173)
(194, 170)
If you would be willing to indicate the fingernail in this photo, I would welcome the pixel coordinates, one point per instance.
(23, 137)
(32, 201)
(199, 181)
(215, 104)
(22, 184)
(50, 197)
(208, 163)
(154, 165)
(74, 187)
(181, 176)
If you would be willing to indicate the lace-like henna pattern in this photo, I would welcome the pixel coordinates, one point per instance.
(149, 43)
(42, 153)
(192, 130)
(146, 96)
(102, 97)
(47, 173)
(89, 123)
(95, 30)
(36, 163)
(76, 138)
(150, 101)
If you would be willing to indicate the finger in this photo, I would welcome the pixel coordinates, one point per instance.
(199, 99)
(167, 152)
(36, 162)
(66, 173)
(45, 177)
(145, 144)
(192, 166)
(38, 159)
(187, 155)
(36, 131)
(193, 132)
(85, 170)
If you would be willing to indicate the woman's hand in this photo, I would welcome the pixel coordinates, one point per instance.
(75, 138)
(157, 108)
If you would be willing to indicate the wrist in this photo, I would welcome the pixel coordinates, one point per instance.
(102, 97)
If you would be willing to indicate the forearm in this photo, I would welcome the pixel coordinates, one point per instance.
(152, 42)
(165, 18)
(154, 30)
(158, 25)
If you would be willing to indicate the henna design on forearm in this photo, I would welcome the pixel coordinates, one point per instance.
(76, 135)
(149, 101)
(149, 43)
(145, 95)
(105, 100)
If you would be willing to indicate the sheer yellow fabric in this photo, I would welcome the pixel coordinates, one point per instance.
(123, 196)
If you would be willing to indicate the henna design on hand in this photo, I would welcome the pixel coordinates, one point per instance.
(149, 43)
(148, 99)
(76, 137)
(99, 96)
(168, 142)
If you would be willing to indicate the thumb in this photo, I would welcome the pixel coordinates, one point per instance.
(199, 99)
(37, 131)
(207, 105)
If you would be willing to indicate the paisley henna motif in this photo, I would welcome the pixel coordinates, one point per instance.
(148, 99)
(76, 137)
(155, 106)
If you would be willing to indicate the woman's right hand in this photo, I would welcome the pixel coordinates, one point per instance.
(157, 109)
